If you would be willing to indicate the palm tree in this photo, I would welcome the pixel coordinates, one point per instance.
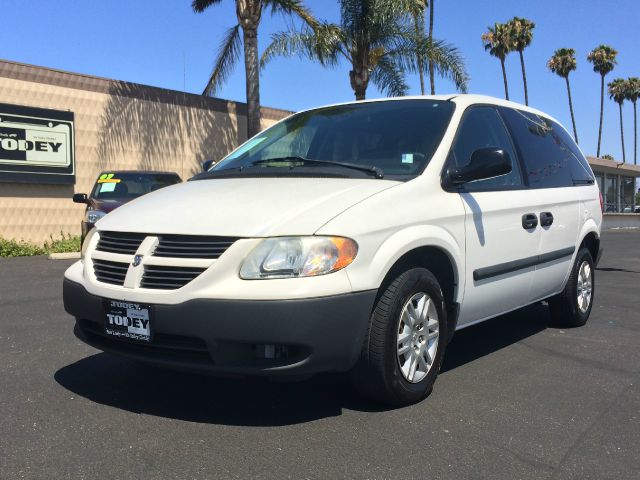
(418, 24)
(603, 58)
(618, 93)
(497, 41)
(379, 41)
(431, 74)
(562, 63)
(632, 94)
(249, 13)
(521, 37)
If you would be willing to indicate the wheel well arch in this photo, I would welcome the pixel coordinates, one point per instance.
(438, 262)
(592, 242)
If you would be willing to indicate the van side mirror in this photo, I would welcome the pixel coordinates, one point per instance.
(80, 198)
(485, 163)
(207, 164)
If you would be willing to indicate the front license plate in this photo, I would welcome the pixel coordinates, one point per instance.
(127, 320)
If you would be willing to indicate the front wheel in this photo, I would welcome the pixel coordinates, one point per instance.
(572, 307)
(405, 342)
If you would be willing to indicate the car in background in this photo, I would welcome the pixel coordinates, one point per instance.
(115, 188)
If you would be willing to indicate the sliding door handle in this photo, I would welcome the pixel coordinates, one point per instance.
(529, 221)
(546, 219)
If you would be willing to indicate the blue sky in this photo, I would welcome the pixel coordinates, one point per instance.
(155, 42)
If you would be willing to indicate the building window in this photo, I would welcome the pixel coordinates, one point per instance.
(627, 194)
(611, 194)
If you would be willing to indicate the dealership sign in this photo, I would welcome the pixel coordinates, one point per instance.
(36, 145)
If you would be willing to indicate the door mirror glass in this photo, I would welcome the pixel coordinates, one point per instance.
(80, 198)
(484, 163)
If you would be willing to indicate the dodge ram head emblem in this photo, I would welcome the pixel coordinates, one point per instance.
(137, 260)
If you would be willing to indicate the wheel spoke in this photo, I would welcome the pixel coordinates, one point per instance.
(404, 349)
(413, 363)
(410, 315)
(424, 363)
(424, 311)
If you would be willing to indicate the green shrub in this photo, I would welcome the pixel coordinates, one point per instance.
(13, 248)
(20, 248)
(66, 243)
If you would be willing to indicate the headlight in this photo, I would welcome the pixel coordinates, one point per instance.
(288, 257)
(92, 216)
(85, 243)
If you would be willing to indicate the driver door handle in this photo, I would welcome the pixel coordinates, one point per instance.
(529, 221)
(546, 219)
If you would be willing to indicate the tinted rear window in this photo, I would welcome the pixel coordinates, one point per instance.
(551, 157)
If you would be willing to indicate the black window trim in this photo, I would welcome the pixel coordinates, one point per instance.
(464, 188)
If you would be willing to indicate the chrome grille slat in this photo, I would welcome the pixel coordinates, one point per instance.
(107, 271)
(192, 246)
(167, 278)
(120, 242)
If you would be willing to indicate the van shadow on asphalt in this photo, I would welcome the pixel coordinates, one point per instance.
(134, 387)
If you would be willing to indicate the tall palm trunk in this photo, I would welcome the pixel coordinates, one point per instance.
(418, 19)
(431, 73)
(624, 157)
(524, 77)
(601, 112)
(573, 119)
(504, 78)
(359, 77)
(252, 73)
(635, 135)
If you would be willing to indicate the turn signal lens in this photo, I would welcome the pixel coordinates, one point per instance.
(290, 257)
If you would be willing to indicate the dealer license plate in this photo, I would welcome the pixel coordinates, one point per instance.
(127, 320)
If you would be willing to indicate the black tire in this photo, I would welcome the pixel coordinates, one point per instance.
(378, 375)
(564, 307)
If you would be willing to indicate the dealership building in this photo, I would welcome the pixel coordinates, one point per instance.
(59, 130)
(62, 129)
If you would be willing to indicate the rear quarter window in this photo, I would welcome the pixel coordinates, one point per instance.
(551, 157)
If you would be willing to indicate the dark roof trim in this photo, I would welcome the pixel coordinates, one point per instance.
(60, 78)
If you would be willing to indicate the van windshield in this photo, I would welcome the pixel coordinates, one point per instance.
(396, 137)
(126, 186)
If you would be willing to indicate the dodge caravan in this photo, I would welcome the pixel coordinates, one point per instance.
(352, 238)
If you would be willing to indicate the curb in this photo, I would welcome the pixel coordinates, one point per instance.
(64, 256)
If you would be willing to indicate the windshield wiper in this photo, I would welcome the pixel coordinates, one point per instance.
(375, 171)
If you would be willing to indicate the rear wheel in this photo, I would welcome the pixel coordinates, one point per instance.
(405, 342)
(572, 307)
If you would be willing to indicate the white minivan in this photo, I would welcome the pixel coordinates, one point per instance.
(355, 237)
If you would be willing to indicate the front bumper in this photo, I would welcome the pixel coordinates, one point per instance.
(229, 336)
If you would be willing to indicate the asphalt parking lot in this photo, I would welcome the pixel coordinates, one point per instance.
(516, 399)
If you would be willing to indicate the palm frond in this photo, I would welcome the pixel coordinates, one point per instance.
(321, 44)
(292, 7)
(228, 55)
(617, 90)
(413, 53)
(389, 77)
(200, 6)
(603, 58)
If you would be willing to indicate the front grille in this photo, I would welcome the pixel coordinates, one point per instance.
(168, 278)
(110, 272)
(120, 242)
(192, 246)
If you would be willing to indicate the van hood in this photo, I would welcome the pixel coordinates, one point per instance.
(243, 207)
